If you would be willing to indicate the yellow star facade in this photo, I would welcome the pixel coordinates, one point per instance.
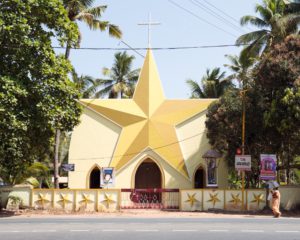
(149, 141)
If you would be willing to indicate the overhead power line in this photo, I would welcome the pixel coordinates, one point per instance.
(155, 48)
(201, 19)
(224, 13)
(217, 15)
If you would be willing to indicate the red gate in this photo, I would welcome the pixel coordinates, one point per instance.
(150, 198)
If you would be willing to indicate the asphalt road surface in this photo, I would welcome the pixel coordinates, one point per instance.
(90, 228)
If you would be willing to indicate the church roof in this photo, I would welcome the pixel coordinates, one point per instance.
(148, 120)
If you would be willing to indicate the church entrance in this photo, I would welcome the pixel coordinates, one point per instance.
(95, 178)
(199, 181)
(148, 175)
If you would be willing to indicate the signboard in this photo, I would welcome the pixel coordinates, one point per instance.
(108, 176)
(267, 166)
(243, 162)
(68, 167)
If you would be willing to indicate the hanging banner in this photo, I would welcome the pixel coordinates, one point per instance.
(107, 177)
(243, 162)
(268, 167)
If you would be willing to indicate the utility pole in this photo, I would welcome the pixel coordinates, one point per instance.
(243, 143)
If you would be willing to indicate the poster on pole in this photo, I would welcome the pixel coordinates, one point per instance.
(243, 162)
(267, 167)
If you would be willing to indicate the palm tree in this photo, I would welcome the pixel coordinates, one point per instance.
(240, 66)
(82, 10)
(212, 85)
(274, 23)
(85, 84)
(122, 80)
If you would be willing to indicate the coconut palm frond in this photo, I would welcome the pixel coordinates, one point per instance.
(254, 21)
(96, 11)
(252, 36)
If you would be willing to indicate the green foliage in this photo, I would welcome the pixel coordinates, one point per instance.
(275, 22)
(121, 79)
(278, 80)
(15, 200)
(82, 10)
(272, 111)
(213, 84)
(35, 92)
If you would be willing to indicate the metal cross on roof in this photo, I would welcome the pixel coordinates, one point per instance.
(149, 24)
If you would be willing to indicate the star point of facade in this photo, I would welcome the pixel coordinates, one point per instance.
(148, 120)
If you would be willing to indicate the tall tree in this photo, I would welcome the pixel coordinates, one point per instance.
(213, 84)
(82, 10)
(240, 67)
(85, 84)
(122, 80)
(278, 79)
(35, 93)
(274, 23)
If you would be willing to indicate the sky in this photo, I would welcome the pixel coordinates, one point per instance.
(183, 23)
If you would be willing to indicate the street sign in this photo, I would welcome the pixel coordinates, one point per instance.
(243, 162)
(68, 167)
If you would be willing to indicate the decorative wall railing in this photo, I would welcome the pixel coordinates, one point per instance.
(150, 198)
(76, 199)
(205, 199)
(114, 199)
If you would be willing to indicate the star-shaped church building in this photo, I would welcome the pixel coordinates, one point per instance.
(150, 141)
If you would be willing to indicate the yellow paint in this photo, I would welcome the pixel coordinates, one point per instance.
(258, 199)
(214, 199)
(148, 120)
(235, 199)
(42, 200)
(64, 200)
(108, 200)
(191, 199)
(85, 200)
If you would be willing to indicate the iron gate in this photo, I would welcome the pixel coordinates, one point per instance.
(150, 198)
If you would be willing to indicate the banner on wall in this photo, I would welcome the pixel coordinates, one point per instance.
(268, 167)
(108, 177)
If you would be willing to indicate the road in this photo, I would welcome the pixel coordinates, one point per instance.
(90, 228)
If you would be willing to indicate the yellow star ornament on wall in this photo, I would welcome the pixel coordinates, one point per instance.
(64, 200)
(108, 200)
(214, 199)
(235, 199)
(148, 120)
(191, 199)
(258, 199)
(85, 200)
(42, 200)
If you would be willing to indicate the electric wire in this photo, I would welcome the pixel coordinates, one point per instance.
(216, 15)
(201, 19)
(155, 48)
(148, 150)
(224, 13)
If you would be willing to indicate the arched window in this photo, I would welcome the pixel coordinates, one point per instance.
(95, 178)
(199, 181)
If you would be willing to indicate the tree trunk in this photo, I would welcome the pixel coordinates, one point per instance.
(56, 159)
(68, 49)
